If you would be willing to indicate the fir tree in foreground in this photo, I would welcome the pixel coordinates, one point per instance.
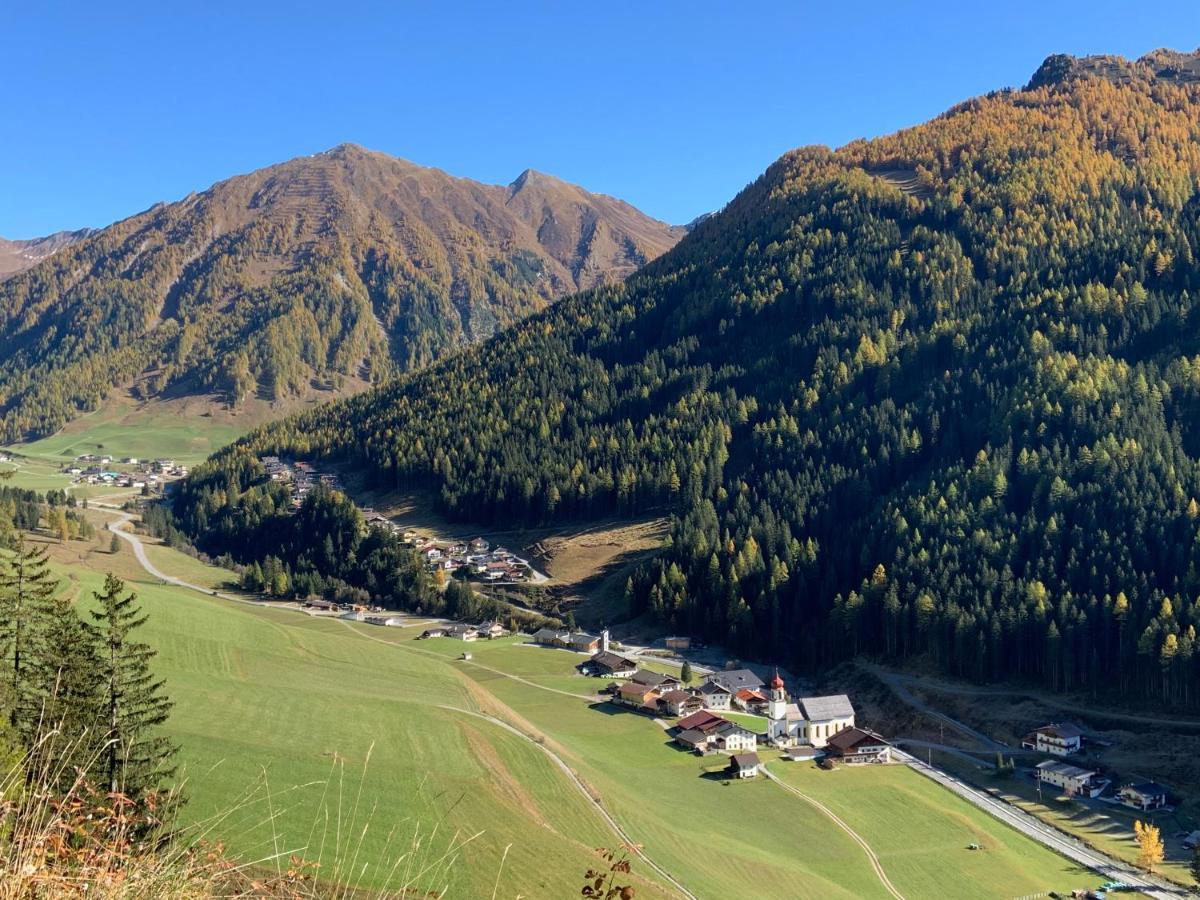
(26, 594)
(136, 759)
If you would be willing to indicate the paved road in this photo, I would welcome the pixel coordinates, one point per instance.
(837, 820)
(1048, 836)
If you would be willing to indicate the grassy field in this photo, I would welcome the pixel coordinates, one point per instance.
(276, 698)
(123, 427)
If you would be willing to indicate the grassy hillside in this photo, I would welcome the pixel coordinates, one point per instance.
(302, 700)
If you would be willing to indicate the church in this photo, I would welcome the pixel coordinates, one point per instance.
(808, 720)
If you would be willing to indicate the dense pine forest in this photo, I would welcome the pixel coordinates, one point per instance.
(933, 395)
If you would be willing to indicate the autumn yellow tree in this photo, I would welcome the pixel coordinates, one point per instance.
(1150, 845)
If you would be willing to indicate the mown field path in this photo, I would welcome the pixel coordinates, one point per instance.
(837, 820)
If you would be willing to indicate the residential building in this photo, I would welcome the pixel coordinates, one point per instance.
(463, 632)
(744, 765)
(479, 545)
(751, 701)
(715, 696)
(436, 631)
(656, 680)
(492, 630)
(1145, 795)
(1060, 740)
(736, 679)
(703, 721)
(1071, 779)
(679, 702)
(825, 717)
(733, 738)
(856, 746)
(637, 696)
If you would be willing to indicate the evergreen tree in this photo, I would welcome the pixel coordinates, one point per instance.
(26, 592)
(685, 673)
(136, 758)
(64, 681)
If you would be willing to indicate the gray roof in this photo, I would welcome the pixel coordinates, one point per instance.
(691, 736)
(610, 660)
(834, 706)
(1064, 769)
(736, 679)
(711, 687)
(582, 638)
(654, 679)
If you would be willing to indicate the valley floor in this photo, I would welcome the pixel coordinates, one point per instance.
(343, 741)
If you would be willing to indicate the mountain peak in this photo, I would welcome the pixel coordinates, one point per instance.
(1158, 65)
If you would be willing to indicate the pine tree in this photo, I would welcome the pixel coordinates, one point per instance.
(685, 672)
(64, 681)
(26, 592)
(136, 759)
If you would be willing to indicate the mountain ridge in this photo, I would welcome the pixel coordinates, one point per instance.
(306, 278)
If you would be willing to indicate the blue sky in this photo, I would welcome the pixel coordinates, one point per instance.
(674, 106)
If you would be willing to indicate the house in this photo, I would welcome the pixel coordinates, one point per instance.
(744, 765)
(1060, 740)
(656, 680)
(432, 553)
(736, 679)
(1192, 841)
(825, 717)
(750, 700)
(1072, 779)
(607, 664)
(637, 696)
(463, 632)
(320, 605)
(679, 702)
(715, 696)
(856, 746)
(679, 643)
(436, 631)
(551, 637)
(492, 630)
(583, 642)
(734, 738)
(1144, 795)
(479, 545)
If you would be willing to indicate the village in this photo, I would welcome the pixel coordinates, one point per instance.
(91, 468)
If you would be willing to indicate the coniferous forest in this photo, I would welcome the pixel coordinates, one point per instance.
(934, 395)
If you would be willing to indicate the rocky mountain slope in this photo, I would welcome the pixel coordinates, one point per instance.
(303, 279)
(17, 256)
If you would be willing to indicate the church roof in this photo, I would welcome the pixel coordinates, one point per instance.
(834, 706)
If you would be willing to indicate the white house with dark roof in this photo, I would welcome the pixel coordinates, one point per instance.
(714, 695)
(1071, 779)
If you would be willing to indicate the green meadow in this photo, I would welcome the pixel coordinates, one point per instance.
(330, 738)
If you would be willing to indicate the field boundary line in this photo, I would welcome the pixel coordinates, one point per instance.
(876, 864)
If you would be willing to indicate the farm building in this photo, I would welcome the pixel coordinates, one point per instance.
(744, 765)
(583, 642)
(463, 632)
(436, 631)
(856, 746)
(1060, 740)
(679, 643)
(693, 739)
(551, 637)
(637, 696)
(607, 664)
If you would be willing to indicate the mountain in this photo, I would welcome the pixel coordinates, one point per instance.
(308, 278)
(17, 256)
(935, 395)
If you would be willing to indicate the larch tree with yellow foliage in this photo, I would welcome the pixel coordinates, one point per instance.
(1150, 845)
